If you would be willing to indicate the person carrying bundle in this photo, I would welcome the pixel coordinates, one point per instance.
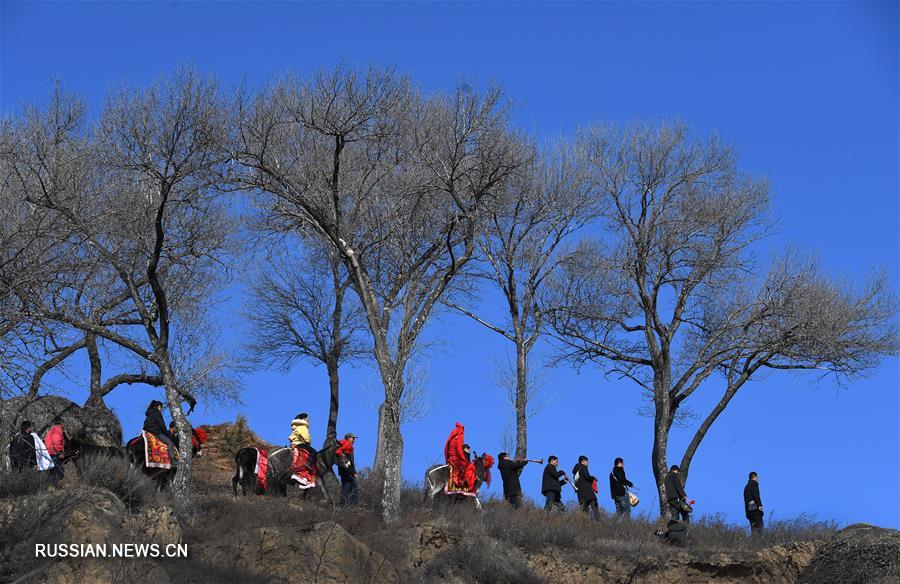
(618, 488)
(586, 485)
(753, 504)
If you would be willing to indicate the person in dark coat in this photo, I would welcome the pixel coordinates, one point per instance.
(675, 494)
(510, 470)
(618, 488)
(584, 484)
(156, 425)
(551, 484)
(22, 449)
(753, 503)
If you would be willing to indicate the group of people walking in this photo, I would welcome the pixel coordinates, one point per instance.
(586, 487)
(554, 478)
(27, 451)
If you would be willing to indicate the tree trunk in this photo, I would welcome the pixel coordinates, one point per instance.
(658, 460)
(181, 484)
(389, 446)
(521, 401)
(391, 441)
(96, 369)
(334, 383)
(700, 434)
(661, 425)
(378, 463)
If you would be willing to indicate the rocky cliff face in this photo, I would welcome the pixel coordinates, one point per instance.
(83, 516)
(95, 425)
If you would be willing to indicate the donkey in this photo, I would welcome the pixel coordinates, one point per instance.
(278, 474)
(135, 450)
(437, 477)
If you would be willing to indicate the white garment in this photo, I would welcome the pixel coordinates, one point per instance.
(43, 457)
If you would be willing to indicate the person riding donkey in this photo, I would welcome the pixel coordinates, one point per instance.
(303, 468)
(458, 456)
(156, 425)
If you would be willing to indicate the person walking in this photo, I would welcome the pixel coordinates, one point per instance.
(510, 470)
(675, 495)
(618, 488)
(347, 470)
(55, 441)
(22, 449)
(551, 484)
(585, 485)
(753, 503)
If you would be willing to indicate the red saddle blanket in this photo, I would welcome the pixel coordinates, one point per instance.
(262, 468)
(303, 468)
(457, 485)
(156, 452)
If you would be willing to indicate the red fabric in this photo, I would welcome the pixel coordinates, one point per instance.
(302, 470)
(54, 440)
(199, 438)
(345, 448)
(594, 486)
(463, 471)
(488, 463)
(262, 469)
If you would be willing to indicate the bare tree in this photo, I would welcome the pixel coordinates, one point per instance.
(26, 253)
(301, 307)
(506, 377)
(544, 204)
(394, 182)
(143, 224)
(670, 297)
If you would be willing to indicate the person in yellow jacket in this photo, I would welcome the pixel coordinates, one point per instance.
(304, 465)
(300, 431)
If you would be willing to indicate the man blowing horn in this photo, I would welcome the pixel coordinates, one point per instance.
(510, 470)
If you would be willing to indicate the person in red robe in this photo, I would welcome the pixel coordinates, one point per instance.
(463, 469)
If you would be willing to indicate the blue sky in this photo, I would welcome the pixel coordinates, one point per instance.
(807, 91)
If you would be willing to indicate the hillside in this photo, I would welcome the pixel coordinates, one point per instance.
(270, 539)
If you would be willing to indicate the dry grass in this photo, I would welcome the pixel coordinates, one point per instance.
(129, 484)
(19, 483)
(516, 532)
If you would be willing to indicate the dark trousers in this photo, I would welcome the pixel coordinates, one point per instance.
(756, 521)
(623, 505)
(57, 472)
(553, 499)
(515, 499)
(172, 449)
(349, 493)
(590, 507)
(676, 512)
